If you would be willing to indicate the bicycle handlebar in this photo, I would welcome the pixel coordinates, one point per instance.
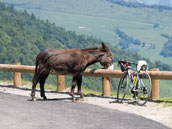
(125, 65)
(125, 61)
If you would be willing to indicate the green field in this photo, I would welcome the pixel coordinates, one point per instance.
(101, 19)
(104, 28)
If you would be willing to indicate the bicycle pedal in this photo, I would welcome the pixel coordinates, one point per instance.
(144, 90)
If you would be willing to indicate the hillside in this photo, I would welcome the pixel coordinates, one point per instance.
(153, 2)
(101, 18)
(23, 36)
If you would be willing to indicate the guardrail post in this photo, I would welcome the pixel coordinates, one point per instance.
(106, 86)
(17, 77)
(60, 83)
(155, 87)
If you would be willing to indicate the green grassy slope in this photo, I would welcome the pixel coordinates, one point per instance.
(22, 37)
(165, 88)
(100, 18)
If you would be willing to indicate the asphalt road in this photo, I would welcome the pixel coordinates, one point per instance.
(17, 112)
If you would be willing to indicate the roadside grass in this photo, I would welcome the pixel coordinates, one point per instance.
(165, 101)
(49, 86)
(6, 81)
(165, 88)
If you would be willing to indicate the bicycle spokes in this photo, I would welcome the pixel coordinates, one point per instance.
(143, 89)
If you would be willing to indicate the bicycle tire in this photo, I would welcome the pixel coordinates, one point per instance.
(122, 87)
(143, 89)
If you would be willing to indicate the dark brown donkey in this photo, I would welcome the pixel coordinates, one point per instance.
(65, 61)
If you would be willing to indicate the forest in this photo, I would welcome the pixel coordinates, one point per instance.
(126, 41)
(140, 5)
(23, 36)
(167, 47)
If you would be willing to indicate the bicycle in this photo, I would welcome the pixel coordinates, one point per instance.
(134, 81)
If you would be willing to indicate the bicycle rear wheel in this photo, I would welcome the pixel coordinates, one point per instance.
(143, 89)
(122, 87)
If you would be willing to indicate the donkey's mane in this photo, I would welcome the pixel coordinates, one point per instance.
(88, 49)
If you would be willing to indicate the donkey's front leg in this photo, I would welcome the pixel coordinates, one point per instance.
(79, 83)
(42, 82)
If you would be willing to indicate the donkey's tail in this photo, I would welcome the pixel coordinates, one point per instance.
(36, 66)
(36, 70)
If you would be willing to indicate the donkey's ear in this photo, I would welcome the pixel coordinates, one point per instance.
(105, 47)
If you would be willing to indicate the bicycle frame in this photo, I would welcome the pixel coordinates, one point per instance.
(131, 77)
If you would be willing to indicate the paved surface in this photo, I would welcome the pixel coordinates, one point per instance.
(17, 112)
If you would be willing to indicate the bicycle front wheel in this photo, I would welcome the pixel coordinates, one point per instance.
(122, 87)
(143, 89)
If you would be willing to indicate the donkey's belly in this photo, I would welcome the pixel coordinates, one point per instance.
(61, 71)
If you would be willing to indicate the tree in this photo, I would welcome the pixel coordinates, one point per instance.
(167, 49)
(33, 17)
(156, 25)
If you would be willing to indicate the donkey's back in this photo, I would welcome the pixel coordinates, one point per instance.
(61, 60)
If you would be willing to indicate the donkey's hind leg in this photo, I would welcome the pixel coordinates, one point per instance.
(42, 82)
(35, 80)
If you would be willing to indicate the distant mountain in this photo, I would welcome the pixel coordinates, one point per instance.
(102, 18)
(139, 1)
(153, 2)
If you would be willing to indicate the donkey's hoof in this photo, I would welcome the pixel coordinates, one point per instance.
(73, 99)
(82, 96)
(34, 99)
(44, 98)
(79, 99)
(71, 94)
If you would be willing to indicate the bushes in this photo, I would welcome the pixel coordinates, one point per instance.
(160, 8)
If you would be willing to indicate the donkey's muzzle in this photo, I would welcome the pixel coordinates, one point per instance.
(110, 67)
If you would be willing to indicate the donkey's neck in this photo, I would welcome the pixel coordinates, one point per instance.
(93, 57)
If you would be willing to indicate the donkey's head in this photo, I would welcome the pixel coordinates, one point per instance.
(106, 56)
